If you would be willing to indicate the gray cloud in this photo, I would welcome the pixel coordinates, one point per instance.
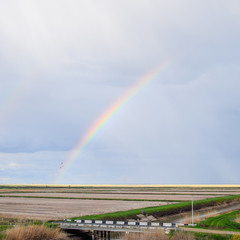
(63, 64)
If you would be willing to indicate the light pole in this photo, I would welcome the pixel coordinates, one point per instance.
(192, 209)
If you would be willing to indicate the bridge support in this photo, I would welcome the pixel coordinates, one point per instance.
(108, 235)
(100, 235)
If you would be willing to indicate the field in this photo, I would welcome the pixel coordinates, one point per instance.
(47, 202)
(46, 209)
(130, 195)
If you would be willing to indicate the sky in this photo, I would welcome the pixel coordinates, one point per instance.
(64, 63)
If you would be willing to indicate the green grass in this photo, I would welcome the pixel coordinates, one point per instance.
(3, 228)
(208, 236)
(2, 235)
(204, 236)
(159, 211)
(223, 222)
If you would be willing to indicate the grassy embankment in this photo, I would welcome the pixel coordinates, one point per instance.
(208, 236)
(222, 222)
(160, 211)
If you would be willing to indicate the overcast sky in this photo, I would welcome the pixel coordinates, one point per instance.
(63, 63)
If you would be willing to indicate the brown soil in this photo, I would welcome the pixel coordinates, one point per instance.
(237, 220)
(118, 196)
(46, 209)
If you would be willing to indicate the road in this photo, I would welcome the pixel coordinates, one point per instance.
(200, 230)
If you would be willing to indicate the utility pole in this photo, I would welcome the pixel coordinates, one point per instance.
(192, 209)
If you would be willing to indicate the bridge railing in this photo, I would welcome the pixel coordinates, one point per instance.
(119, 224)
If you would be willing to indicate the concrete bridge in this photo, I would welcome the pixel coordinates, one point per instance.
(101, 229)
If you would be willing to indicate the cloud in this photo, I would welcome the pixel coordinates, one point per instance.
(37, 167)
(62, 64)
(13, 165)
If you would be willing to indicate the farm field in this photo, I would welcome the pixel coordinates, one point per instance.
(147, 196)
(47, 209)
(48, 202)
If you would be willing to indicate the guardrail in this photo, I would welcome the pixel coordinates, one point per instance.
(104, 228)
(118, 224)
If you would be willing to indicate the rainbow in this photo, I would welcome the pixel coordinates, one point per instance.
(105, 118)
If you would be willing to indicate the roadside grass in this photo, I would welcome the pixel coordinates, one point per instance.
(34, 232)
(3, 229)
(7, 223)
(164, 210)
(236, 237)
(224, 222)
(208, 236)
(175, 235)
(2, 235)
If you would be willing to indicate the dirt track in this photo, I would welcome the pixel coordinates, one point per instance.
(209, 231)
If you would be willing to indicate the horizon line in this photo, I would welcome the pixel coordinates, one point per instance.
(123, 185)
